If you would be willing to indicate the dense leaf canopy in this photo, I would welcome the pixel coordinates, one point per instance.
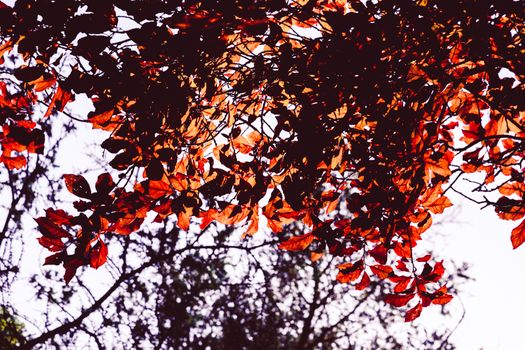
(351, 118)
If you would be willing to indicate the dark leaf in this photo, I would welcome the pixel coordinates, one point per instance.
(77, 185)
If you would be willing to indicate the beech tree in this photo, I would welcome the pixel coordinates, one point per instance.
(351, 119)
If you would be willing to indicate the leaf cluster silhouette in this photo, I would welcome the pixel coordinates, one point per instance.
(352, 118)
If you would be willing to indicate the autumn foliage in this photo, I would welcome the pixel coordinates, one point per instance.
(352, 118)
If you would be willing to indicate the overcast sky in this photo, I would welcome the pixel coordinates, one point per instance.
(494, 301)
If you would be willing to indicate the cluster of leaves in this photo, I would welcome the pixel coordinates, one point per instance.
(19, 133)
(289, 109)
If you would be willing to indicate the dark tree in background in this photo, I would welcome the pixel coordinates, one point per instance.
(181, 291)
(350, 120)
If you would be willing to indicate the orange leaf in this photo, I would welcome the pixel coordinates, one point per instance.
(183, 218)
(42, 83)
(158, 189)
(232, 214)
(17, 162)
(439, 205)
(59, 101)
(207, 217)
(455, 53)
(349, 271)
(254, 224)
(496, 127)
(5, 47)
(442, 300)
(510, 188)
(430, 196)
(315, 256)
(126, 225)
(518, 235)
(403, 249)
(382, 271)
(105, 120)
(297, 243)
(179, 182)
(440, 167)
(415, 73)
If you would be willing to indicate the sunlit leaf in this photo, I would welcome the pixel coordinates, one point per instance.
(518, 235)
(413, 313)
(398, 300)
(297, 243)
(98, 254)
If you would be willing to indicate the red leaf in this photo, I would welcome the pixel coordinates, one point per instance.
(58, 217)
(50, 229)
(155, 170)
(413, 313)
(402, 284)
(51, 244)
(402, 266)
(437, 272)
(77, 185)
(398, 300)
(424, 258)
(379, 253)
(365, 282)
(297, 243)
(98, 254)
(104, 183)
(55, 259)
(71, 268)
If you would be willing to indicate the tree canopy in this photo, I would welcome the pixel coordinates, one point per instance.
(351, 119)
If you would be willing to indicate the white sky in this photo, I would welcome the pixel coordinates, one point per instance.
(494, 301)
